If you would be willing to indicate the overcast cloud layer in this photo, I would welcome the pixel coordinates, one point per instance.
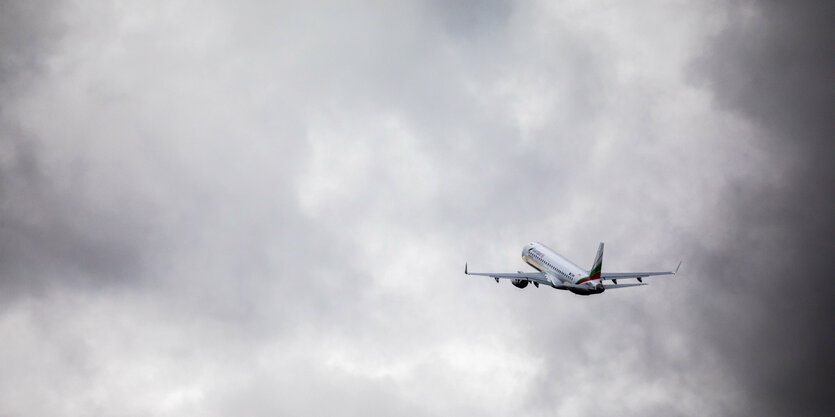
(216, 208)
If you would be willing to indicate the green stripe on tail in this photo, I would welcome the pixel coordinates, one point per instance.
(594, 273)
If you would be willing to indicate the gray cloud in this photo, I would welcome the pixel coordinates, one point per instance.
(251, 208)
(49, 236)
(770, 66)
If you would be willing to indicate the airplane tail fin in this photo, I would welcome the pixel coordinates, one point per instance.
(594, 272)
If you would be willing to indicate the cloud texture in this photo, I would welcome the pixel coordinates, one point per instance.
(211, 208)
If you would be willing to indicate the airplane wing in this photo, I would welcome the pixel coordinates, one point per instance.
(614, 276)
(537, 277)
(614, 287)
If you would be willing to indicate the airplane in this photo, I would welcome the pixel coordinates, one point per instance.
(556, 271)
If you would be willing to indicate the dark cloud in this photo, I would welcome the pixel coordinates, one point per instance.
(470, 18)
(49, 235)
(772, 65)
(27, 33)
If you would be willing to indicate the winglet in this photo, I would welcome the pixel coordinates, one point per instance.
(679, 266)
(465, 269)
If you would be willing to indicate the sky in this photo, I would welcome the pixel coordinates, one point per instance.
(264, 208)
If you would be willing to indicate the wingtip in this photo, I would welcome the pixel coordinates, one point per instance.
(465, 269)
(677, 267)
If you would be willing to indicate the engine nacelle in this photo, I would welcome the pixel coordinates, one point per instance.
(519, 283)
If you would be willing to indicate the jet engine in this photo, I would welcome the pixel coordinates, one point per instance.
(519, 283)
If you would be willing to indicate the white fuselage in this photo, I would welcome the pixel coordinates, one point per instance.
(555, 266)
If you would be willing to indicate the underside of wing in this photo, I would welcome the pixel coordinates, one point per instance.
(613, 276)
(614, 287)
(538, 277)
(619, 275)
